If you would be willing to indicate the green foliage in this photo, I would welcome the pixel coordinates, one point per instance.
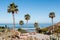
(22, 30)
(36, 25)
(27, 17)
(1, 27)
(52, 15)
(38, 30)
(12, 8)
(44, 29)
(21, 22)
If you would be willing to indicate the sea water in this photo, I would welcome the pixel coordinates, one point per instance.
(27, 27)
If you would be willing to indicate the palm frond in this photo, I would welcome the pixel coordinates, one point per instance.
(9, 10)
(27, 17)
(12, 8)
(21, 22)
(52, 15)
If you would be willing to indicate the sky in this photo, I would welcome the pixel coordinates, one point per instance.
(38, 10)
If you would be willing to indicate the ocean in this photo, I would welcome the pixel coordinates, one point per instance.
(28, 27)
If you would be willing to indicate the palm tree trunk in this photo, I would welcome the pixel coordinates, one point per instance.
(13, 22)
(21, 26)
(27, 23)
(52, 24)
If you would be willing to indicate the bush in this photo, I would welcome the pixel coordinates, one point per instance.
(44, 29)
(22, 30)
(38, 30)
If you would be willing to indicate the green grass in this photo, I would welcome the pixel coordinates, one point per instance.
(1, 28)
(22, 30)
(44, 29)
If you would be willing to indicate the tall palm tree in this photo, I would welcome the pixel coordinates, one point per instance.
(12, 8)
(27, 17)
(52, 15)
(21, 22)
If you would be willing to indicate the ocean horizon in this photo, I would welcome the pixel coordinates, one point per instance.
(29, 27)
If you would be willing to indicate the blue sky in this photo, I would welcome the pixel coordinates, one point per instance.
(38, 9)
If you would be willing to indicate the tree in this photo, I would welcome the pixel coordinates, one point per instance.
(12, 8)
(52, 15)
(21, 22)
(36, 25)
(27, 17)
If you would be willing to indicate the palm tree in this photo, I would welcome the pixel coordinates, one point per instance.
(27, 17)
(12, 8)
(21, 22)
(52, 15)
(36, 25)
